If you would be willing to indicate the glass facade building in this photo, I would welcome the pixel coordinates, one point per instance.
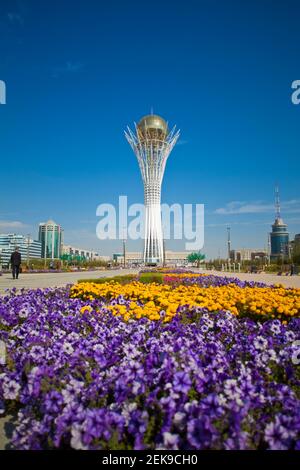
(51, 238)
(28, 247)
(279, 238)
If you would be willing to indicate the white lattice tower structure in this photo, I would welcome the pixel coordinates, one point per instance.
(152, 143)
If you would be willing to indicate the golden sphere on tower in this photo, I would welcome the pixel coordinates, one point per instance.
(152, 126)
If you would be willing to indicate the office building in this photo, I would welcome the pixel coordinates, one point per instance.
(72, 251)
(51, 238)
(28, 248)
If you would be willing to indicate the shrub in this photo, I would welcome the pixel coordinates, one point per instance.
(147, 278)
(122, 279)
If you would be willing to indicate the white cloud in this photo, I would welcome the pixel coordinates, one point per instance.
(257, 207)
(8, 224)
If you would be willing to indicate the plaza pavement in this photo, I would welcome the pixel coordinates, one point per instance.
(43, 280)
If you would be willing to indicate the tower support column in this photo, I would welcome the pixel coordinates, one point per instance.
(153, 247)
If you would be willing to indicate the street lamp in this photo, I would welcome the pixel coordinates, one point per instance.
(228, 244)
(269, 250)
(282, 256)
(124, 252)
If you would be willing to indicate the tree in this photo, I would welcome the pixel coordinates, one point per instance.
(296, 253)
(196, 257)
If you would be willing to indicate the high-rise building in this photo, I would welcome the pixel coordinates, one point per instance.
(152, 143)
(28, 247)
(279, 237)
(51, 238)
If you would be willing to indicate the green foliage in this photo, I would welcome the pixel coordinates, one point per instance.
(193, 394)
(296, 253)
(147, 278)
(154, 423)
(296, 258)
(114, 443)
(278, 268)
(39, 263)
(63, 264)
(196, 257)
(124, 279)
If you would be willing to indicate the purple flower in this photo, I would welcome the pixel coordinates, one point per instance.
(200, 433)
(170, 441)
(53, 402)
(260, 343)
(276, 436)
(77, 437)
(11, 389)
(182, 382)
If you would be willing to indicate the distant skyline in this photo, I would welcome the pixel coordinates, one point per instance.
(76, 76)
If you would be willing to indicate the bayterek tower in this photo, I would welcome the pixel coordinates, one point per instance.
(152, 143)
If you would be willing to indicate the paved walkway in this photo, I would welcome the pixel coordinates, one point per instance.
(42, 280)
(287, 281)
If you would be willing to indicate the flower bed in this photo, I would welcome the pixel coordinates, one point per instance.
(207, 280)
(154, 300)
(83, 378)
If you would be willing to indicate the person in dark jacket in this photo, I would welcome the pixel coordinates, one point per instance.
(15, 261)
(293, 271)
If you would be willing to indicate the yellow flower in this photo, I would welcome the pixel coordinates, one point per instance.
(269, 301)
(86, 308)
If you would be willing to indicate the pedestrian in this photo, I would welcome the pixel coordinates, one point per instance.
(292, 269)
(15, 261)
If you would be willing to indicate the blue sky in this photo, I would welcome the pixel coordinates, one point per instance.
(78, 72)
